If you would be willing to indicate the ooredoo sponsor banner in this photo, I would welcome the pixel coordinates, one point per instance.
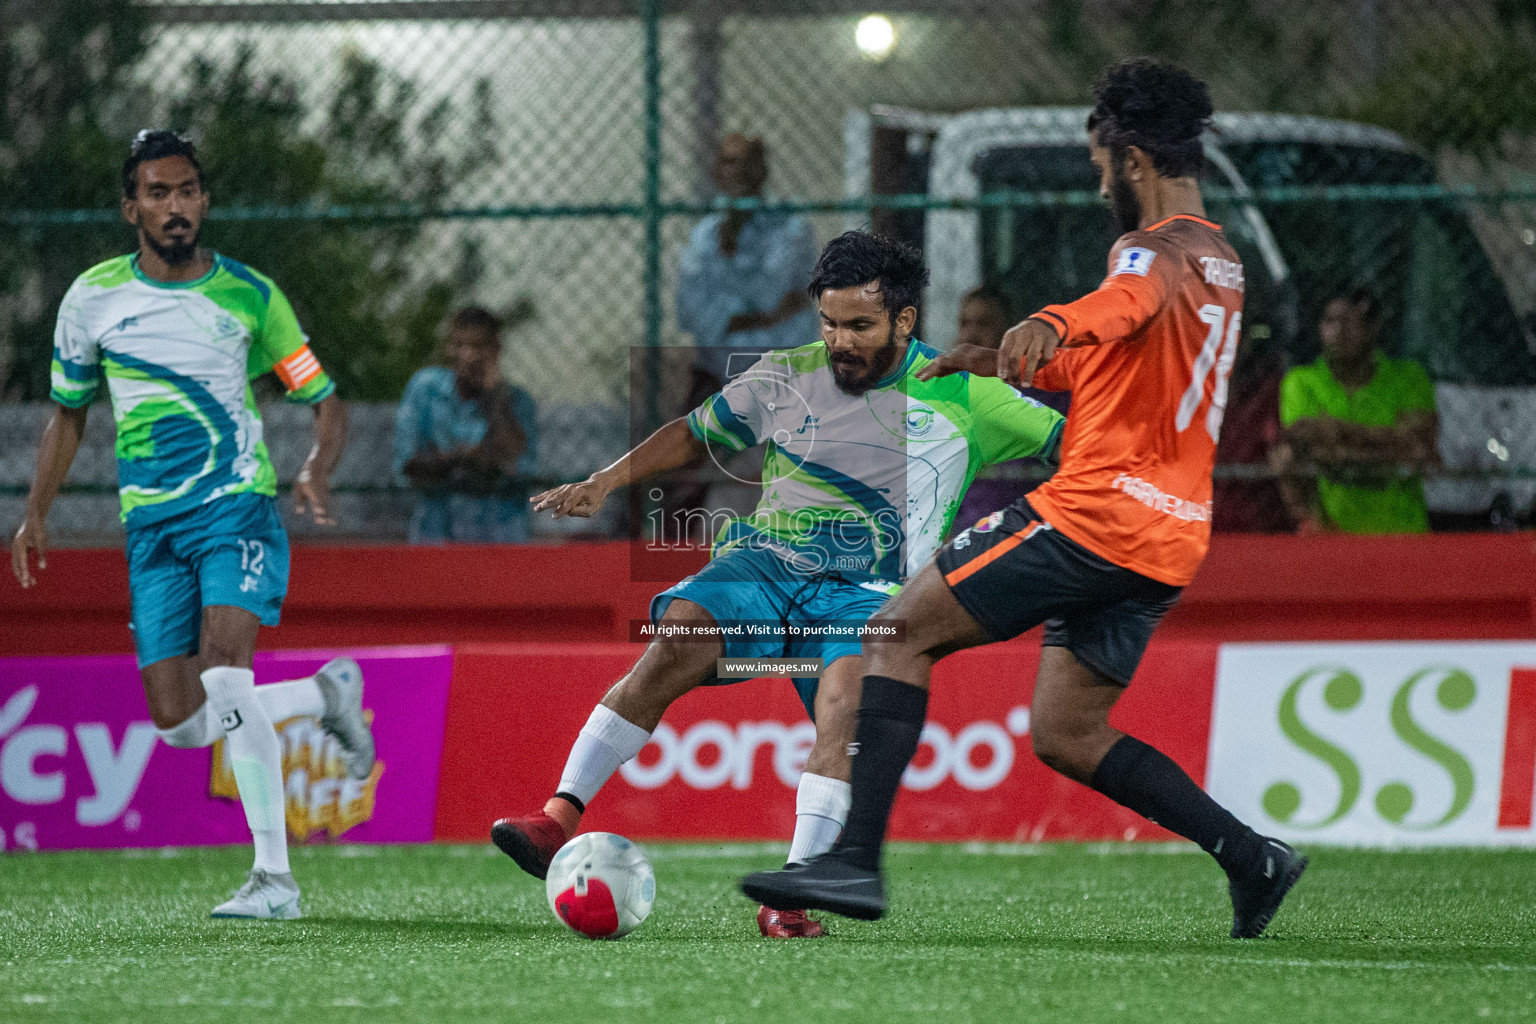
(1378, 744)
(81, 764)
(725, 761)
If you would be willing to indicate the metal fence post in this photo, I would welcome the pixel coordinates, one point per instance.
(652, 17)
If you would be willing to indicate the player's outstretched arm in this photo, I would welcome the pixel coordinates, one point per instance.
(1026, 347)
(977, 359)
(312, 487)
(670, 447)
(55, 454)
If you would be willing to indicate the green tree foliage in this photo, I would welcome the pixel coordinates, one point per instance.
(1455, 91)
(1257, 56)
(1446, 80)
(369, 299)
(63, 81)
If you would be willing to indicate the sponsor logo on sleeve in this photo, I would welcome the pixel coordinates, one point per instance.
(1133, 260)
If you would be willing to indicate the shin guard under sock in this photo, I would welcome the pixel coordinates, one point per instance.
(1150, 783)
(891, 715)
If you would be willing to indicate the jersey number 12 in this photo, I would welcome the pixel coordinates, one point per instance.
(1213, 354)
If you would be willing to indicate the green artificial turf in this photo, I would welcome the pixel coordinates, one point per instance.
(1031, 933)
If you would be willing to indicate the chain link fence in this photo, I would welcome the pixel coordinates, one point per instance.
(386, 160)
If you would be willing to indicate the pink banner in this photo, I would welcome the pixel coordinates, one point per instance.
(82, 766)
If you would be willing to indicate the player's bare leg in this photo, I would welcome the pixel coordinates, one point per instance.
(617, 731)
(824, 795)
(178, 704)
(1069, 715)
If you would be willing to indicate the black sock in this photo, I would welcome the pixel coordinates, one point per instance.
(891, 715)
(581, 808)
(1148, 781)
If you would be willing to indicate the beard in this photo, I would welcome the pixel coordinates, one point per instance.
(855, 375)
(1123, 202)
(174, 253)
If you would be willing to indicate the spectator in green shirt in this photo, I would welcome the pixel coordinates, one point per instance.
(1357, 417)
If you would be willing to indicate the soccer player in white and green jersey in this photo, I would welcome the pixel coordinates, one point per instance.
(864, 470)
(177, 332)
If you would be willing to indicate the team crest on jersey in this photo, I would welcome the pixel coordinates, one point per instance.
(919, 421)
(1133, 260)
(989, 523)
(226, 325)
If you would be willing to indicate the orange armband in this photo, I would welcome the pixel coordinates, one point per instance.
(297, 368)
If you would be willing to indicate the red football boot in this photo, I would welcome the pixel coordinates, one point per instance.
(532, 841)
(787, 924)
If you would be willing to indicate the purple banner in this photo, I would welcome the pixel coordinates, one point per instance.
(82, 766)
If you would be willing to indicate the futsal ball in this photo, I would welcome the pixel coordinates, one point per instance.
(600, 885)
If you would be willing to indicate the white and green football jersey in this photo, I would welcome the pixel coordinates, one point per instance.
(178, 358)
(866, 484)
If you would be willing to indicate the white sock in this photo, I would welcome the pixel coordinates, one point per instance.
(606, 742)
(256, 758)
(291, 699)
(821, 808)
(282, 701)
(199, 730)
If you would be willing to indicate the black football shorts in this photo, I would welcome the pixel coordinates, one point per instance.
(1013, 571)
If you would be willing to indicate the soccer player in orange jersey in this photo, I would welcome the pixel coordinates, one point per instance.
(1100, 552)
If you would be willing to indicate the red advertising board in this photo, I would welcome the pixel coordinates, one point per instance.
(725, 761)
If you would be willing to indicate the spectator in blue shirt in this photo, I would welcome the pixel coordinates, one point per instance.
(742, 277)
(464, 439)
(741, 288)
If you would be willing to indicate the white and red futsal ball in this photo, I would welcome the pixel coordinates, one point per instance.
(600, 885)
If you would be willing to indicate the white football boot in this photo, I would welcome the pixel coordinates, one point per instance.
(264, 896)
(341, 684)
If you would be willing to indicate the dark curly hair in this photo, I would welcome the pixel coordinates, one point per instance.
(156, 144)
(477, 318)
(1157, 107)
(858, 257)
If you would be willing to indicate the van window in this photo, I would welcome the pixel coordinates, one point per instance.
(1038, 255)
(1444, 304)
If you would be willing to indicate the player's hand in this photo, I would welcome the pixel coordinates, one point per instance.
(580, 499)
(1026, 347)
(312, 497)
(977, 359)
(31, 536)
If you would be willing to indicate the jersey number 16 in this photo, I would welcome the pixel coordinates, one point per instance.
(1214, 353)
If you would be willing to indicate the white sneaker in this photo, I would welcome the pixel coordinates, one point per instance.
(341, 684)
(267, 896)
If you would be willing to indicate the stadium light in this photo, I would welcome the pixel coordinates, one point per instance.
(875, 37)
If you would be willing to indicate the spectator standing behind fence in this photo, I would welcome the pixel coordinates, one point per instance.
(740, 292)
(985, 316)
(742, 278)
(1358, 416)
(464, 439)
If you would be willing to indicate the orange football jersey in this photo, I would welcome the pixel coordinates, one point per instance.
(1146, 358)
